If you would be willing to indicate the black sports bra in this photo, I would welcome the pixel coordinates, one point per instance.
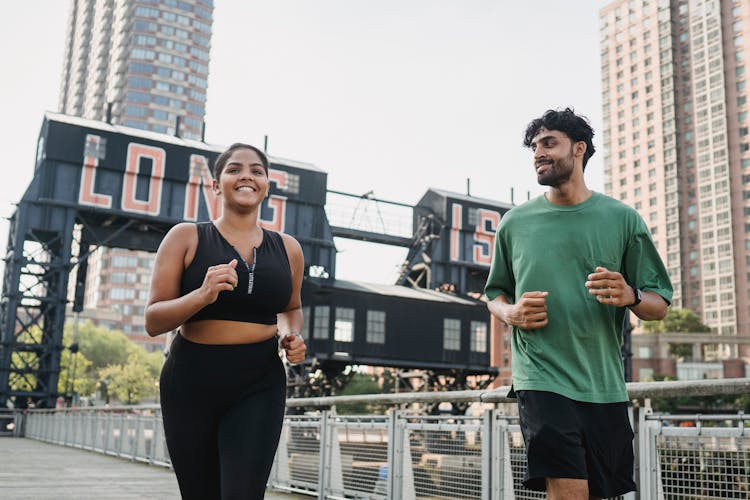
(264, 287)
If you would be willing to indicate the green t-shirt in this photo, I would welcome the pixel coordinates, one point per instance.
(540, 246)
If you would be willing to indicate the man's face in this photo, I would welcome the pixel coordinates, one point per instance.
(553, 157)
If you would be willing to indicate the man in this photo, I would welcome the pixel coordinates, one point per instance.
(567, 267)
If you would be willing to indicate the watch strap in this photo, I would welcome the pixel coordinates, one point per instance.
(637, 295)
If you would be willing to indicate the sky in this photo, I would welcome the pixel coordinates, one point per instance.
(388, 96)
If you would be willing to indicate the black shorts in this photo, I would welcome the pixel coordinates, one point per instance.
(577, 440)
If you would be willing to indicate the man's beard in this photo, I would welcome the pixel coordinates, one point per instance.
(558, 172)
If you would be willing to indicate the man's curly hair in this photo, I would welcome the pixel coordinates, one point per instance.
(566, 121)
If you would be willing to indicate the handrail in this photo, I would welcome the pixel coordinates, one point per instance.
(636, 391)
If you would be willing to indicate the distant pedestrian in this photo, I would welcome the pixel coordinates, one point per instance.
(567, 267)
(230, 287)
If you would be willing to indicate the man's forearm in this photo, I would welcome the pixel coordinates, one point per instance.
(653, 307)
(499, 307)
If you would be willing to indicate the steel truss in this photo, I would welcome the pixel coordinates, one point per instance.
(46, 242)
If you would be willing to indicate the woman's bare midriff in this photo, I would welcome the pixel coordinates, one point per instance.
(215, 331)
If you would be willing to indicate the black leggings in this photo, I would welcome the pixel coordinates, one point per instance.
(223, 408)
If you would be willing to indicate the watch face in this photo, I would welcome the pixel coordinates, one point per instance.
(636, 295)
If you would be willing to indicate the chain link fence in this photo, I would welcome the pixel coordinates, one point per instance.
(695, 456)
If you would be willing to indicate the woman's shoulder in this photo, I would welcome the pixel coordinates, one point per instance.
(182, 234)
(289, 241)
(185, 229)
(292, 246)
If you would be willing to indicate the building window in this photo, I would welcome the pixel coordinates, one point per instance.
(452, 334)
(478, 336)
(376, 327)
(644, 352)
(122, 294)
(322, 322)
(124, 261)
(343, 328)
(122, 278)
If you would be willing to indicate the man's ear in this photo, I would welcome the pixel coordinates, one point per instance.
(580, 148)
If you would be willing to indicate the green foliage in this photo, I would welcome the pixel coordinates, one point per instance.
(103, 347)
(700, 404)
(361, 383)
(67, 381)
(74, 374)
(28, 360)
(677, 320)
(151, 361)
(106, 359)
(130, 382)
(681, 350)
(743, 403)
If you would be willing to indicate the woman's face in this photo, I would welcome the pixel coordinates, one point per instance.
(243, 180)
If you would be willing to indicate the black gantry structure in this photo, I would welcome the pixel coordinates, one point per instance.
(97, 184)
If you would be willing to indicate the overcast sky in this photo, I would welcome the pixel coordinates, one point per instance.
(392, 96)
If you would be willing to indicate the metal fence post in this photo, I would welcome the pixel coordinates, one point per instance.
(335, 475)
(487, 452)
(108, 436)
(633, 415)
(323, 458)
(407, 490)
(283, 459)
(17, 424)
(391, 458)
(647, 486)
(502, 478)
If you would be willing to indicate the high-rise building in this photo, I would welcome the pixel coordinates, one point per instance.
(675, 85)
(147, 59)
(142, 64)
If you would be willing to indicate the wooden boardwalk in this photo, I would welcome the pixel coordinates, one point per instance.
(31, 469)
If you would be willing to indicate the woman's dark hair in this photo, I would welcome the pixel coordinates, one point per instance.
(565, 121)
(222, 159)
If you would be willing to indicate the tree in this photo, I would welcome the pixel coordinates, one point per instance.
(94, 356)
(75, 375)
(360, 384)
(129, 383)
(21, 381)
(103, 347)
(67, 381)
(119, 367)
(677, 320)
(152, 361)
(136, 378)
(680, 321)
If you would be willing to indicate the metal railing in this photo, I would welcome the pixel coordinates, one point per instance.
(135, 433)
(11, 423)
(407, 455)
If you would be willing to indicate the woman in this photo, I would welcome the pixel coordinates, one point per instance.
(230, 286)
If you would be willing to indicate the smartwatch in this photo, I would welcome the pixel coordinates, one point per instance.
(638, 296)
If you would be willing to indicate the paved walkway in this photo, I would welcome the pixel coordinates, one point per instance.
(32, 470)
